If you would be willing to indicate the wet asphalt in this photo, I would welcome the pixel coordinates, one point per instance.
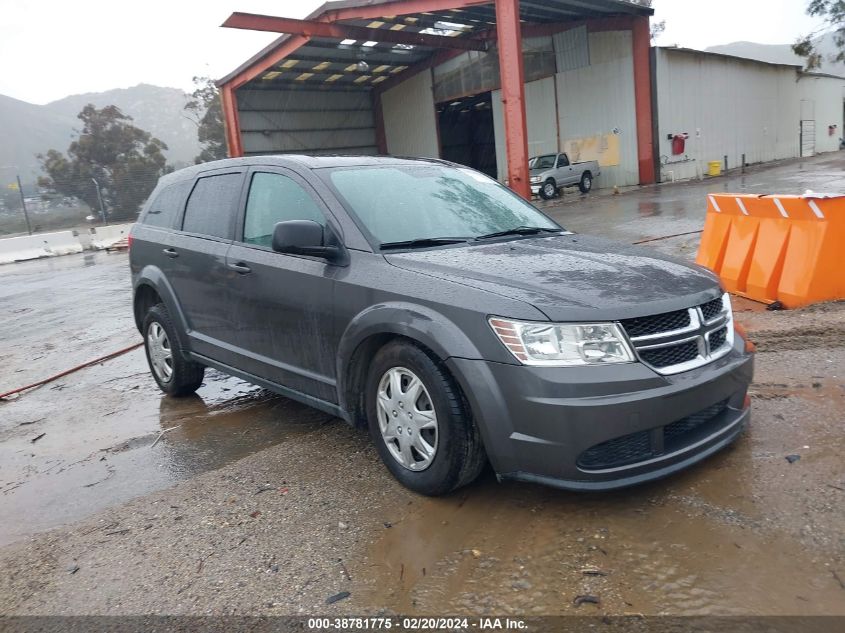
(116, 499)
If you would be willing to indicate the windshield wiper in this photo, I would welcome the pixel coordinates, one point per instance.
(519, 230)
(422, 242)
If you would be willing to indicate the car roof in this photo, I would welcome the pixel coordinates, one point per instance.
(299, 160)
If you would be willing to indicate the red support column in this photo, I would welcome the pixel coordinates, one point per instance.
(641, 37)
(513, 94)
(232, 122)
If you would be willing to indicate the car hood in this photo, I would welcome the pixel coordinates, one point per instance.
(571, 277)
(538, 172)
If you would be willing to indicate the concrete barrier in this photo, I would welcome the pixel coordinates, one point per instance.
(106, 236)
(16, 249)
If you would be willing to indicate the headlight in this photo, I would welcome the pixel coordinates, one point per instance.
(563, 345)
(535, 179)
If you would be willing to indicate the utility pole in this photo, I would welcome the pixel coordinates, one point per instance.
(100, 198)
(23, 204)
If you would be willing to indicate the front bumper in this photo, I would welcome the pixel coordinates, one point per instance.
(535, 189)
(604, 427)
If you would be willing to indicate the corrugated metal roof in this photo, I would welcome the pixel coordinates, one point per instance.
(694, 51)
(323, 59)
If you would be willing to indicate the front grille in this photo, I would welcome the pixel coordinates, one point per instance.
(640, 446)
(666, 322)
(628, 449)
(711, 309)
(667, 330)
(674, 355)
(674, 432)
(718, 338)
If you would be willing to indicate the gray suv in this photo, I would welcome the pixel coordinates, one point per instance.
(430, 304)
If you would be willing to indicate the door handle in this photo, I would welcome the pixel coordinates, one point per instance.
(240, 267)
(171, 252)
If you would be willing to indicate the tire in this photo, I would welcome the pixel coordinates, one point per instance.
(548, 190)
(458, 455)
(586, 182)
(161, 344)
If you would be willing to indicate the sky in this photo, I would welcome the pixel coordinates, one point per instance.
(53, 48)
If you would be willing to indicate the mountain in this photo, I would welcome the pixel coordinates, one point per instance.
(157, 110)
(28, 129)
(782, 53)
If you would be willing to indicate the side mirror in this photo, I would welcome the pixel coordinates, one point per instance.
(304, 237)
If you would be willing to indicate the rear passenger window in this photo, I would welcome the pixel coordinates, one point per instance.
(167, 205)
(212, 206)
(275, 198)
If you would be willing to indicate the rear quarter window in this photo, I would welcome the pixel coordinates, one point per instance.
(212, 205)
(166, 207)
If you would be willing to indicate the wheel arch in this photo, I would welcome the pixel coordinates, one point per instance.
(436, 335)
(151, 287)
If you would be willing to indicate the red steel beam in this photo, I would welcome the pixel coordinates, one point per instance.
(513, 95)
(234, 141)
(398, 7)
(641, 39)
(232, 122)
(310, 28)
(286, 48)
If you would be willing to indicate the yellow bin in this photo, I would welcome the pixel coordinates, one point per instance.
(714, 168)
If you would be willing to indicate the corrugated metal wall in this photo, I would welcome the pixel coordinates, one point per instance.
(409, 122)
(598, 99)
(540, 114)
(826, 96)
(728, 106)
(306, 121)
(594, 96)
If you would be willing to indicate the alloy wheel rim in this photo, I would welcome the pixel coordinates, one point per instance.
(549, 189)
(160, 351)
(406, 419)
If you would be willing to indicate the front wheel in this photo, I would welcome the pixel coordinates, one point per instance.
(586, 182)
(548, 190)
(419, 422)
(174, 374)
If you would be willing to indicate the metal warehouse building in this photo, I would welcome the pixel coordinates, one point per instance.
(734, 107)
(488, 84)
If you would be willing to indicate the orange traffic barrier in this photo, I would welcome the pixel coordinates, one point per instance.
(776, 248)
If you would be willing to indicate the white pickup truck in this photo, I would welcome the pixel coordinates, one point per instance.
(551, 172)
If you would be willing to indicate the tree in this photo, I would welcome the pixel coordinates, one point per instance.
(126, 162)
(206, 111)
(833, 14)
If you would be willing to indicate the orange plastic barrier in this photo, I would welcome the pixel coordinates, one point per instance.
(776, 248)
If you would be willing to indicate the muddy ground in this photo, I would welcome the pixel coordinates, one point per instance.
(117, 500)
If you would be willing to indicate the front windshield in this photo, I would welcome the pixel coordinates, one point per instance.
(414, 202)
(542, 162)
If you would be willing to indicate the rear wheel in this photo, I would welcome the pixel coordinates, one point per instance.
(172, 371)
(548, 190)
(586, 182)
(419, 422)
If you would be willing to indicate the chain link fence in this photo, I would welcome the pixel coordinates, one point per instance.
(29, 208)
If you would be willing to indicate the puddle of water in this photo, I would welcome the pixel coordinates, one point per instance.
(110, 435)
(695, 544)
